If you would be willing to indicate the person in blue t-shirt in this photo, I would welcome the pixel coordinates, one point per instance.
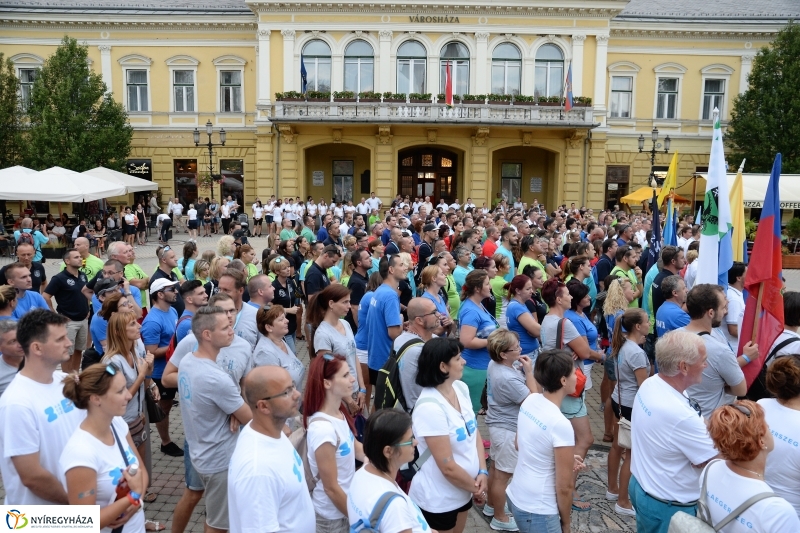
(475, 324)
(39, 239)
(670, 315)
(580, 301)
(508, 240)
(19, 277)
(158, 328)
(519, 319)
(194, 297)
(384, 314)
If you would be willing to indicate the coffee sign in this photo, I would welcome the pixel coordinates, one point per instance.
(140, 168)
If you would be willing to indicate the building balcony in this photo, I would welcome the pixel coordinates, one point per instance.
(429, 113)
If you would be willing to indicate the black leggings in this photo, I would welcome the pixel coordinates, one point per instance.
(165, 226)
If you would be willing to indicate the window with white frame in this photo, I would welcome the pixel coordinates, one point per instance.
(230, 91)
(667, 98)
(457, 55)
(136, 81)
(359, 67)
(411, 67)
(549, 72)
(506, 69)
(621, 96)
(317, 60)
(713, 95)
(26, 78)
(183, 88)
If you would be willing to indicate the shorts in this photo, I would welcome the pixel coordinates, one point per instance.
(336, 525)
(446, 520)
(138, 430)
(216, 499)
(373, 376)
(269, 219)
(193, 480)
(362, 356)
(166, 393)
(130, 230)
(587, 371)
(257, 221)
(573, 407)
(193, 224)
(611, 368)
(627, 412)
(78, 333)
(503, 452)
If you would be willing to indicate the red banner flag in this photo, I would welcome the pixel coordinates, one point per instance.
(448, 86)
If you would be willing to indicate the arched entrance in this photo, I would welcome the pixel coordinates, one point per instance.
(428, 172)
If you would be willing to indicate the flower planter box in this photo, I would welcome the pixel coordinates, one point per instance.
(419, 101)
(524, 103)
(319, 100)
(369, 100)
(499, 102)
(472, 102)
(549, 104)
(345, 100)
(791, 261)
(393, 100)
(291, 100)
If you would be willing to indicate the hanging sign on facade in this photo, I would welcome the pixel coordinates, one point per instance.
(536, 184)
(435, 19)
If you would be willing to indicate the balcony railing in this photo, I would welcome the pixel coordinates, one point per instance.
(399, 112)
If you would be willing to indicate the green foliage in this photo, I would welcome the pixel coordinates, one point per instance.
(289, 95)
(73, 122)
(766, 118)
(473, 97)
(372, 95)
(523, 98)
(326, 95)
(10, 116)
(750, 228)
(344, 94)
(419, 96)
(500, 97)
(394, 96)
(793, 228)
(440, 97)
(586, 100)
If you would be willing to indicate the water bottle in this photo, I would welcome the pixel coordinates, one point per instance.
(122, 487)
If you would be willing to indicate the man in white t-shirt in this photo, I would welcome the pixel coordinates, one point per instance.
(36, 421)
(362, 208)
(733, 319)
(455, 206)
(469, 205)
(177, 215)
(266, 478)
(670, 440)
(374, 202)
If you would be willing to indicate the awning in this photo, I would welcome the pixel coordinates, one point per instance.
(55, 185)
(132, 184)
(645, 194)
(754, 187)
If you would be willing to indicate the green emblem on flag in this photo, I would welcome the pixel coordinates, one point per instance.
(711, 213)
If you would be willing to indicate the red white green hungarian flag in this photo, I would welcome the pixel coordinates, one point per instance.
(448, 86)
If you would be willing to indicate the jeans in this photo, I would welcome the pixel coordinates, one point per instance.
(165, 226)
(193, 480)
(289, 339)
(653, 516)
(534, 523)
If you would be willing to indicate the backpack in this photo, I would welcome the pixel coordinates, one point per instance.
(25, 238)
(758, 389)
(173, 342)
(388, 390)
(301, 445)
(370, 525)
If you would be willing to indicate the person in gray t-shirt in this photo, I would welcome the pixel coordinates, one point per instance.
(12, 354)
(267, 353)
(408, 366)
(236, 360)
(328, 339)
(630, 358)
(723, 371)
(549, 329)
(505, 392)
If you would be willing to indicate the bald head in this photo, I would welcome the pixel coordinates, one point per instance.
(418, 307)
(263, 382)
(26, 223)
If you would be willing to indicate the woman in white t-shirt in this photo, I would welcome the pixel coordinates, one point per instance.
(783, 416)
(388, 444)
(331, 442)
(743, 438)
(539, 493)
(277, 217)
(455, 473)
(96, 458)
(193, 222)
(258, 218)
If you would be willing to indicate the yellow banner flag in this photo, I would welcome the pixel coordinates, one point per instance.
(736, 197)
(671, 180)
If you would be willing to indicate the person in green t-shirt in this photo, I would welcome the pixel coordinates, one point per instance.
(287, 233)
(626, 259)
(374, 217)
(503, 265)
(307, 231)
(533, 250)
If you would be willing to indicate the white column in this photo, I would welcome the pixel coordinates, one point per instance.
(383, 83)
(747, 66)
(600, 74)
(577, 64)
(262, 67)
(528, 72)
(482, 77)
(433, 74)
(288, 60)
(105, 65)
(337, 72)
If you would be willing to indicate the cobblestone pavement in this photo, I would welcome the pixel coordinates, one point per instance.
(168, 472)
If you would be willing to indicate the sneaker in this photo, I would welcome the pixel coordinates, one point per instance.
(172, 450)
(610, 496)
(497, 525)
(624, 511)
(488, 510)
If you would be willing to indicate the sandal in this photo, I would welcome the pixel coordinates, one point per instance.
(580, 505)
(152, 525)
(482, 412)
(150, 497)
(608, 437)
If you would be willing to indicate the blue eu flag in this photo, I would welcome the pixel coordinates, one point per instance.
(303, 75)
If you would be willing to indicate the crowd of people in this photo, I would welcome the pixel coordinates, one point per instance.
(418, 323)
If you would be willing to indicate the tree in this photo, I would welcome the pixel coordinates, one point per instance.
(766, 118)
(10, 115)
(73, 122)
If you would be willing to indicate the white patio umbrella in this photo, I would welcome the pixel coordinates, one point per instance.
(132, 184)
(56, 185)
(16, 172)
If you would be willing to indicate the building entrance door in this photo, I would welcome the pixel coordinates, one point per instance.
(428, 172)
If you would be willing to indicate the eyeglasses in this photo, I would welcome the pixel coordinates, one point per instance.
(164, 250)
(742, 409)
(518, 348)
(170, 289)
(428, 314)
(406, 443)
(287, 392)
(696, 406)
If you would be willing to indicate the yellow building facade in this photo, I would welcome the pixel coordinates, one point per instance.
(234, 63)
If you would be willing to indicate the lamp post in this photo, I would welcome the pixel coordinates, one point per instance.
(210, 145)
(653, 181)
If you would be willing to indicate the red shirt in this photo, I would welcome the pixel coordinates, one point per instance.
(489, 248)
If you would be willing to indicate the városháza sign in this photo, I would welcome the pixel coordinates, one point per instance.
(434, 19)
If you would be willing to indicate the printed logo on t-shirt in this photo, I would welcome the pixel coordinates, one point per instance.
(116, 474)
(61, 408)
(71, 282)
(37, 274)
(297, 466)
(422, 523)
(463, 433)
(185, 388)
(344, 449)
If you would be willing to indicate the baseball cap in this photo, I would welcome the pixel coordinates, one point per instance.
(161, 284)
(429, 227)
(105, 285)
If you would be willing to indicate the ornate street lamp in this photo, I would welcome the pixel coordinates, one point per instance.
(210, 145)
(654, 181)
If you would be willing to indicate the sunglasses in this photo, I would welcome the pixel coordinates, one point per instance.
(742, 409)
(406, 443)
(287, 392)
(163, 252)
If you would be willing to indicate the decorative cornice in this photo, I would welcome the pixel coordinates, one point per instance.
(264, 34)
(748, 58)
(104, 48)
(705, 34)
(154, 23)
(579, 38)
(602, 38)
(385, 35)
(287, 34)
(482, 36)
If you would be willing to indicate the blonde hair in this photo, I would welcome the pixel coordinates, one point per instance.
(216, 268)
(347, 264)
(691, 255)
(406, 258)
(615, 297)
(499, 341)
(199, 266)
(225, 245)
(7, 295)
(429, 274)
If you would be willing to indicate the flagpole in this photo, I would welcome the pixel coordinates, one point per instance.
(758, 312)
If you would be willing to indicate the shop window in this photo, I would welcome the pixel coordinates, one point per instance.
(140, 168)
(232, 171)
(185, 174)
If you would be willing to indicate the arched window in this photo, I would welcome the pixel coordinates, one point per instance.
(317, 60)
(506, 69)
(549, 71)
(359, 67)
(458, 56)
(411, 60)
